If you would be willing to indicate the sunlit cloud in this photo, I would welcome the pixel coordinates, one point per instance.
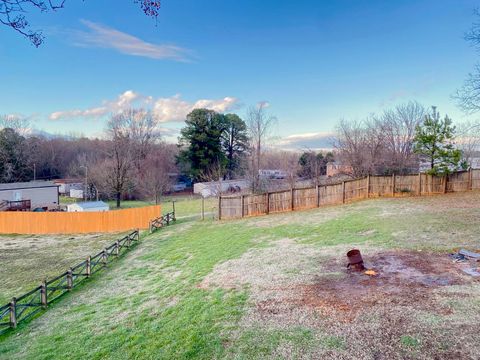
(166, 109)
(102, 36)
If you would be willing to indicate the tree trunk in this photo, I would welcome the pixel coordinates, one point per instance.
(118, 199)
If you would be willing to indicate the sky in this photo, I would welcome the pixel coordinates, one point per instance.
(314, 62)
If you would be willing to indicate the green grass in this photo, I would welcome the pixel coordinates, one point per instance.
(26, 260)
(185, 205)
(151, 304)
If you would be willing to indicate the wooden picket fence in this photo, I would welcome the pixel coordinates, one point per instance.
(239, 206)
(28, 305)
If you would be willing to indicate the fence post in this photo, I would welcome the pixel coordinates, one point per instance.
(137, 234)
(168, 218)
(470, 179)
(419, 183)
(393, 184)
(318, 195)
(343, 192)
(117, 248)
(104, 257)
(293, 200)
(219, 207)
(173, 212)
(368, 186)
(69, 279)
(243, 205)
(445, 180)
(13, 313)
(88, 267)
(43, 294)
(267, 203)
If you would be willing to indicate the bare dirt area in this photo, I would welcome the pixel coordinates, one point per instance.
(411, 308)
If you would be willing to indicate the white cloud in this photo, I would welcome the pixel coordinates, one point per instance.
(102, 36)
(167, 109)
(313, 141)
(123, 101)
(176, 109)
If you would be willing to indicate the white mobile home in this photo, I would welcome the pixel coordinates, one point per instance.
(37, 194)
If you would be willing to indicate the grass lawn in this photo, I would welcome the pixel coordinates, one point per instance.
(276, 287)
(185, 205)
(26, 260)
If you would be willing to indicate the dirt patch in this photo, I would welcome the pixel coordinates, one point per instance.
(404, 279)
(411, 300)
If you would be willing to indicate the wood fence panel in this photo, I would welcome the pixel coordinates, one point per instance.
(331, 194)
(231, 207)
(432, 184)
(255, 205)
(475, 179)
(305, 198)
(381, 186)
(77, 222)
(356, 189)
(406, 185)
(459, 181)
(280, 201)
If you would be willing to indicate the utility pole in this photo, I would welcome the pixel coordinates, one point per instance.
(86, 182)
(34, 172)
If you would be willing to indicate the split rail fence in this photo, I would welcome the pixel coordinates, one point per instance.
(231, 207)
(28, 305)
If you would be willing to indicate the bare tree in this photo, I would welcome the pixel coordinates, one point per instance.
(142, 127)
(117, 168)
(20, 124)
(468, 96)
(290, 166)
(12, 14)
(468, 140)
(155, 179)
(398, 126)
(381, 144)
(260, 125)
(351, 146)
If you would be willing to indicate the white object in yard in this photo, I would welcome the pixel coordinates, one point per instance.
(88, 206)
(213, 188)
(179, 186)
(76, 193)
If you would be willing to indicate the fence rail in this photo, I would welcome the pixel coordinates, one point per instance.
(231, 207)
(29, 304)
(162, 221)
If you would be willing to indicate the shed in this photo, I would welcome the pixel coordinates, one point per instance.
(66, 185)
(88, 206)
(29, 195)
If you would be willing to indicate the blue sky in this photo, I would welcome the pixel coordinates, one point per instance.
(313, 61)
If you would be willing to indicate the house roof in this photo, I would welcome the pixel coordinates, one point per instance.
(68, 181)
(91, 204)
(27, 185)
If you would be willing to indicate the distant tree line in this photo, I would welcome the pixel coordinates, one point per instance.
(399, 139)
(131, 160)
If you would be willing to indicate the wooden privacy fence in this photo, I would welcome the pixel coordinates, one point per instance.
(77, 222)
(231, 207)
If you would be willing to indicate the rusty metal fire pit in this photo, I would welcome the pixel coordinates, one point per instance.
(355, 261)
